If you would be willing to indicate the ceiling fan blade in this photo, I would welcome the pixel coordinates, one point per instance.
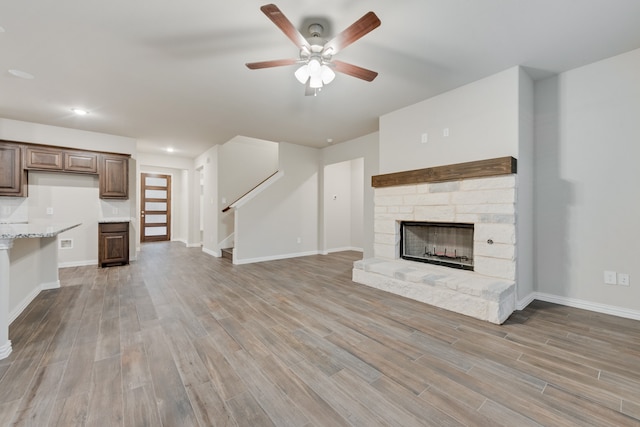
(354, 70)
(269, 64)
(357, 30)
(282, 22)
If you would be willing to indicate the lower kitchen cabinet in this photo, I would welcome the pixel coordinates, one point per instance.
(113, 241)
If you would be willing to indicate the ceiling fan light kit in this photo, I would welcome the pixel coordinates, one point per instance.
(316, 54)
(315, 74)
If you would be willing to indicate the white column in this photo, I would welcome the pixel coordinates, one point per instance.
(5, 343)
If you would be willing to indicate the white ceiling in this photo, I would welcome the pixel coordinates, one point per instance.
(171, 73)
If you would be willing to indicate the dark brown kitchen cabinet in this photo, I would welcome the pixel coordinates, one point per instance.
(81, 162)
(114, 176)
(113, 241)
(43, 158)
(17, 158)
(52, 159)
(13, 177)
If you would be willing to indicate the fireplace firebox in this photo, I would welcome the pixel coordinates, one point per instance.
(448, 244)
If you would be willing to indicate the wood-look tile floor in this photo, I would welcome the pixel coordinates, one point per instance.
(179, 338)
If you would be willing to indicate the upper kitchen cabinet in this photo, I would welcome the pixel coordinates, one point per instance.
(13, 178)
(58, 159)
(114, 176)
(17, 158)
(43, 158)
(81, 162)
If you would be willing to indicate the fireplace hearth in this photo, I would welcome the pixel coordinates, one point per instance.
(447, 244)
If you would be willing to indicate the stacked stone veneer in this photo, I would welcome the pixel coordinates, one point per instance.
(488, 292)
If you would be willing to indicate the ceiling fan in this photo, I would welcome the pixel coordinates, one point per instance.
(316, 54)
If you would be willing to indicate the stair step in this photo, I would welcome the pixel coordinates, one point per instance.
(227, 253)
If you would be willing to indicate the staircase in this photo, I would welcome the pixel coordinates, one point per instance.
(227, 253)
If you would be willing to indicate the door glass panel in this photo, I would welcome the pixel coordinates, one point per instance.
(155, 206)
(152, 181)
(155, 231)
(155, 219)
(155, 194)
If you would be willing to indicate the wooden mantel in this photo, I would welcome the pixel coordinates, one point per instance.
(476, 169)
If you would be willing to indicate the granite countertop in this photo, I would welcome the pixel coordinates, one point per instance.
(114, 219)
(34, 230)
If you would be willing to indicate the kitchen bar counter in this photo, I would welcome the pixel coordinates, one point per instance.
(28, 265)
(32, 230)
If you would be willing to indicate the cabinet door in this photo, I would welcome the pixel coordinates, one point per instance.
(78, 161)
(113, 244)
(13, 178)
(43, 159)
(114, 177)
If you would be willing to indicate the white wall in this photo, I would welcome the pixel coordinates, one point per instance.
(367, 149)
(207, 164)
(282, 220)
(357, 203)
(525, 196)
(343, 192)
(586, 193)
(74, 199)
(337, 206)
(242, 164)
(482, 119)
(36, 133)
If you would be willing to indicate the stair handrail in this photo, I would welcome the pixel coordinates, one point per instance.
(245, 194)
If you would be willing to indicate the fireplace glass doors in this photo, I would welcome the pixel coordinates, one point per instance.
(449, 244)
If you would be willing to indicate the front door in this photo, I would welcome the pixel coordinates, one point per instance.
(155, 210)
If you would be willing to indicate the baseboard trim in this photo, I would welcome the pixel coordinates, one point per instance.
(29, 298)
(213, 253)
(273, 257)
(524, 302)
(23, 304)
(346, 248)
(5, 350)
(578, 303)
(84, 263)
(50, 285)
(187, 244)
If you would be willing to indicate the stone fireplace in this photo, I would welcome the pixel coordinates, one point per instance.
(476, 276)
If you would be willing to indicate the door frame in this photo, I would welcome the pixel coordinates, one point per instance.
(143, 212)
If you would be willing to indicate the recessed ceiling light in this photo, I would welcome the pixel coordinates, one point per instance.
(21, 74)
(80, 111)
(170, 150)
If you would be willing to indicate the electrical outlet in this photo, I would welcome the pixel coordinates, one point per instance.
(299, 240)
(623, 279)
(49, 211)
(424, 138)
(610, 278)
